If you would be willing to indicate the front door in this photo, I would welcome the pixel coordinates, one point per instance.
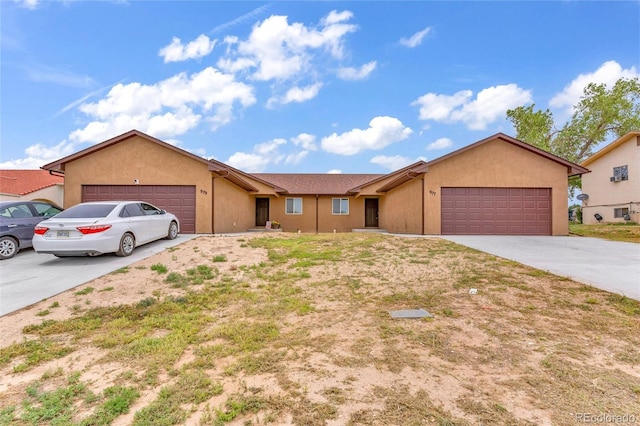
(262, 211)
(371, 212)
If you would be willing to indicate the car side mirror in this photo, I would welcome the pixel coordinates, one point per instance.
(163, 211)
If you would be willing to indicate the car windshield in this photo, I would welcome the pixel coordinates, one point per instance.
(86, 210)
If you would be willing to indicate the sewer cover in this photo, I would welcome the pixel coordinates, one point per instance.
(411, 313)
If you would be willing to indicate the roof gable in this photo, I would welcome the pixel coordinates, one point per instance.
(573, 169)
(611, 147)
(22, 182)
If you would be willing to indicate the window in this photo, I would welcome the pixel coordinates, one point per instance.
(620, 173)
(621, 212)
(340, 206)
(131, 210)
(46, 210)
(293, 206)
(149, 209)
(20, 211)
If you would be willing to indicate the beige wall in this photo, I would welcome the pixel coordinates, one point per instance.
(497, 164)
(320, 208)
(53, 194)
(401, 209)
(604, 195)
(233, 207)
(150, 163)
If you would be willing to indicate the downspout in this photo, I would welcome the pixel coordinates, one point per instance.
(317, 210)
(423, 204)
(53, 173)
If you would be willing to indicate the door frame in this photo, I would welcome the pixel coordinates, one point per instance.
(265, 201)
(374, 205)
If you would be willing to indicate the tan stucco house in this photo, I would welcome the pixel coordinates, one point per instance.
(498, 185)
(31, 185)
(612, 189)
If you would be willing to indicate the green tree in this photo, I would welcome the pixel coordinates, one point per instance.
(600, 114)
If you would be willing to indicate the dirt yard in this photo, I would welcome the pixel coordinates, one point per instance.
(295, 329)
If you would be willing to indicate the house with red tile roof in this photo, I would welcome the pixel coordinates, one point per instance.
(31, 185)
(498, 185)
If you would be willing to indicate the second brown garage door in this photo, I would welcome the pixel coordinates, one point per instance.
(496, 211)
(177, 199)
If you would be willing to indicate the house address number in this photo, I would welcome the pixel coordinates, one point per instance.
(433, 193)
(203, 192)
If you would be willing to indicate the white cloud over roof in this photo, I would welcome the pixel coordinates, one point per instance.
(382, 131)
(489, 105)
(441, 143)
(608, 73)
(165, 109)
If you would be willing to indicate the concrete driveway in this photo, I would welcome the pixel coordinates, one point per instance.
(30, 277)
(609, 265)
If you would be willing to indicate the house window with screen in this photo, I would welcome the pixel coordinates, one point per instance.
(293, 206)
(620, 173)
(621, 212)
(340, 206)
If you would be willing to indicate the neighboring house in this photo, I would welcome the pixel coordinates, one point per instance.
(31, 185)
(613, 186)
(498, 185)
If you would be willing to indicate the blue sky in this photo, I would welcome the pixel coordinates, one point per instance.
(297, 86)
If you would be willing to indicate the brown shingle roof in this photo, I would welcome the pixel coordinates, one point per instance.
(22, 182)
(317, 183)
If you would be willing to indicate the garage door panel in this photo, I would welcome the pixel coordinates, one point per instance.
(177, 199)
(496, 211)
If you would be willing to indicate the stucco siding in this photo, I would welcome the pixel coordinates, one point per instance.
(497, 164)
(53, 194)
(604, 195)
(149, 163)
(233, 209)
(317, 214)
(401, 209)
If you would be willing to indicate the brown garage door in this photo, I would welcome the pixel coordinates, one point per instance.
(496, 211)
(177, 199)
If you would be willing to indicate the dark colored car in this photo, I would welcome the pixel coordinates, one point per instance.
(17, 220)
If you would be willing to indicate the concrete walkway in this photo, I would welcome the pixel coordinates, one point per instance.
(608, 265)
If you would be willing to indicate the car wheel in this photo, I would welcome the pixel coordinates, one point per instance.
(8, 247)
(173, 231)
(127, 244)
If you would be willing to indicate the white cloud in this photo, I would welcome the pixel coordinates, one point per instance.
(608, 73)
(416, 39)
(263, 154)
(295, 158)
(251, 163)
(38, 155)
(170, 107)
(391, 163)
(296, 94)
(306, 141)
(28, 4)
(278, 50)
(441, 143)
(177, 52)
(350, 73)
(334, 172)
(490, 105)
(382, 132)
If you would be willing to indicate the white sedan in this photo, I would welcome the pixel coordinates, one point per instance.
(91, 229)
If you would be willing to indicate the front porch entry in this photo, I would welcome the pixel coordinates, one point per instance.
(262, 211)
(371, 213)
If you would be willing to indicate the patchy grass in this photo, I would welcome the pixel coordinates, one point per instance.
(629, 232)
(295, 329)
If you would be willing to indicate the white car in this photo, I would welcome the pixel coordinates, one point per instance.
(91, 229)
